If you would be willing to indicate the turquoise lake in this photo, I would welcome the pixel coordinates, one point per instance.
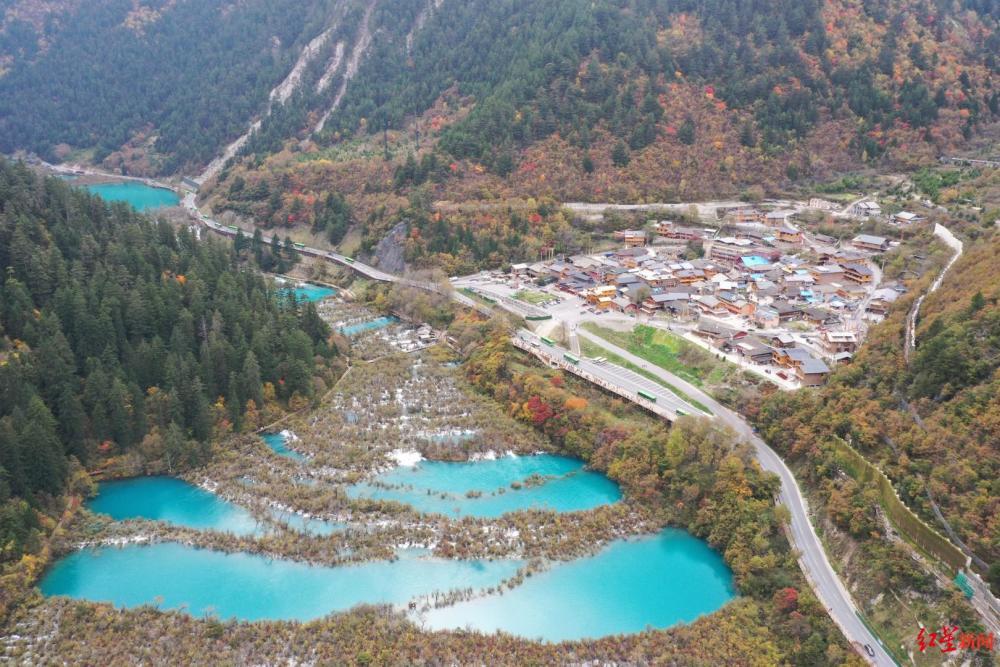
(442, 487)
(142, 197)
(249, 587)
(177, 502)
(311, 292)
(655, 581)
(174, 501)
(279, 445)
(372, 325)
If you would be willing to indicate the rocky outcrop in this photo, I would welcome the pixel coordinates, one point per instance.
(390, 253)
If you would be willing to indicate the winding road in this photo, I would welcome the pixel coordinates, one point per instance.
(801, 534)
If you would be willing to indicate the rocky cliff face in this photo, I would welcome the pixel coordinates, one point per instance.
(390, 251)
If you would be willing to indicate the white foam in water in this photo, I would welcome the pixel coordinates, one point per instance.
(406, 457)
(289, 436)
(491, 455)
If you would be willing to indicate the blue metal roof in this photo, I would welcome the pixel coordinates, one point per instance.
(755, 260)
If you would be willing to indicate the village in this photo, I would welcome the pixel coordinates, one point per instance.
(751, 286)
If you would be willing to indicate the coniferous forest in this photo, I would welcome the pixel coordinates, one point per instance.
(119, 335)
(184, 76)
(612, 77)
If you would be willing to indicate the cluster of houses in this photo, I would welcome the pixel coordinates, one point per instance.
(870, 210)
(739, 279)
(780, 350)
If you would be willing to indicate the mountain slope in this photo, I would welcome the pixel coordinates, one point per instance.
(720, 94)
(492, 104)
(931, 425)
(507, 106)
(910, 74)
(166, 82)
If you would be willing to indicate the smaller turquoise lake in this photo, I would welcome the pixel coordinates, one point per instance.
(141, 196)
(372, 325)
(278, 443)
(310, 292)
(483, 488)
(250, 587)
(174, 501)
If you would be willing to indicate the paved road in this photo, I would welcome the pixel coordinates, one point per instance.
(574, 339)
(970, 161)
(507, 301)
(596, 210)
(812, 555)
(188, 202)
(623, 378)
